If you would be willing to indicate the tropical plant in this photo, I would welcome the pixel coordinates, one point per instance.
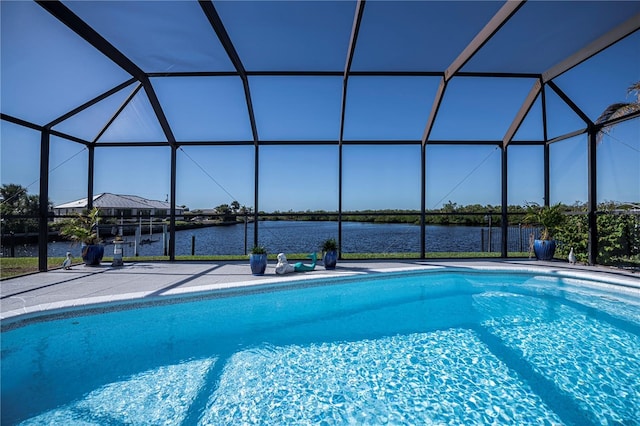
(82, 228)
(329, 245)
(618, 237)
(258, 250)
(620, 109)
(550, 218)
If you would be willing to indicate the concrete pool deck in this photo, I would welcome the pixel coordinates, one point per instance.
(81, 285)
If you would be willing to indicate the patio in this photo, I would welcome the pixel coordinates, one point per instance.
(154, 281)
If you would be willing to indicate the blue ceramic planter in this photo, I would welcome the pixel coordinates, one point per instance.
(544, 249)
(92, 254)
(258, 263)
(330, 259)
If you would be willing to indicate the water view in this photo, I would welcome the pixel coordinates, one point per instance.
(306, 236)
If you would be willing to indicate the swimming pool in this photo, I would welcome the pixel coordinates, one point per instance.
(403, 348)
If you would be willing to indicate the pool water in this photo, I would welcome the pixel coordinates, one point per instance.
(416, 348)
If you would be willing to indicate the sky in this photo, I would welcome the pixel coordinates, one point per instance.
(46, 71)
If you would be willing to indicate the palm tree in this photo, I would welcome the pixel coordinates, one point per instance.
(620, 109)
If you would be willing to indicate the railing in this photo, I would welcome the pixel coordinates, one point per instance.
(519, 239)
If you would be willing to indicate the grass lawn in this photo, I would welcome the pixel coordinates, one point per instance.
(13, 266)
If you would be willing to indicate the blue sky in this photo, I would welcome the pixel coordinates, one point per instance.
(47, 70)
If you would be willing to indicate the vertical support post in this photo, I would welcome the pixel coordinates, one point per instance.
(90, 169)
(172, 200)
(423, 200)
(543, 97)
(256, 194)
(592, 197)
(164, 239)
(43, 208)
(489, 236)
(504, 220)
(138, 236)
(340, 200)
(547, 178)
(245, 232)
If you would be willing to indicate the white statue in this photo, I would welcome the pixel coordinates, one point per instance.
(284, 267)
(67, 262)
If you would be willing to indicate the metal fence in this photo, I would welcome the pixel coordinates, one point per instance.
(519, 238)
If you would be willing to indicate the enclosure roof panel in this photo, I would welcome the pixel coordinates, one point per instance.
(418, 35)
(158, 36)
(246, 72)
(46, 69)
(289, 35)
(543, 33)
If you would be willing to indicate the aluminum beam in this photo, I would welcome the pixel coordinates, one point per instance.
(437, 100)
(357, 19)
(216, 23)
(592, 197)
(570, 103)
(353, 39)
(43, 207)
(221, 32)
(522, 113)
(618, 120)
(567, 136)
(493, 26)
(20, 122)
(157, 108)
(504, 212)
(91, 102)
(172, 214)
(117, 113)
(618, 33)
(77, 25)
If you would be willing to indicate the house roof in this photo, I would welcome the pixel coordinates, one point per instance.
(108, 200)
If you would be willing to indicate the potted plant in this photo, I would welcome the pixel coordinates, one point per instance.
(550, 218)
(83, 229)
(258, 260)
(329, 253)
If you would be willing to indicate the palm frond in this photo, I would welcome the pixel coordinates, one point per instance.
(617, 110)
(634, 90)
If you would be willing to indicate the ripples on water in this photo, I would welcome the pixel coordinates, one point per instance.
(304, 237)
(410, 349)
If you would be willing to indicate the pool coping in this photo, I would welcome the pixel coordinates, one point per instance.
(82, 287)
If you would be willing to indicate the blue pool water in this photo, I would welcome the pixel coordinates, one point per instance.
(418, 348)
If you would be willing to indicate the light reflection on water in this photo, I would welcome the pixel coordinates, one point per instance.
(435, 348)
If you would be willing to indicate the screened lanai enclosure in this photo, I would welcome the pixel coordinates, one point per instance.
(399, 128)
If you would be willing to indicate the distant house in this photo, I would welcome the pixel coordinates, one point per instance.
(120, 205)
